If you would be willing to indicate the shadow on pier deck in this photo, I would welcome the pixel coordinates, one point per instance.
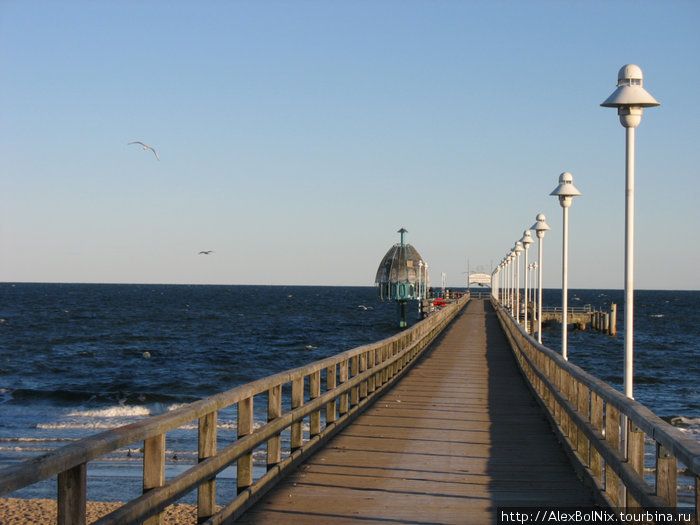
(458, 437)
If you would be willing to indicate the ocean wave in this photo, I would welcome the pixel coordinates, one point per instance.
(682, 421)
(35, 440)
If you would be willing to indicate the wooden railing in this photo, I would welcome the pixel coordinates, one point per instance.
(585, 309)
(604, 431)
(349, 380)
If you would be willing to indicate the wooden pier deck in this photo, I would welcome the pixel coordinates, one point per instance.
(458, 437)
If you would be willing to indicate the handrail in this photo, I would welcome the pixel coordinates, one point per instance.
(352, 380)
(586, 309)
(591, 417)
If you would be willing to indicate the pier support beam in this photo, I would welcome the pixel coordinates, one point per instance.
(402, 314)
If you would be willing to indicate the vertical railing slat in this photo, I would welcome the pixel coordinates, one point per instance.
(635, 456)
(363, 367)
(331, 382)
(154, 469)
(343, 377)
(597, 423)
(297, 401)
(354, 391)
(72, 496)
(314, 392)
(612, 436)
(666, 476)
(244, 464)
(206, 492)
(274, 410)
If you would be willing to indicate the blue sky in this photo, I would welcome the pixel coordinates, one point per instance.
(295, 138)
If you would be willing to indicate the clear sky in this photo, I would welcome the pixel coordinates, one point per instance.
(296, 137)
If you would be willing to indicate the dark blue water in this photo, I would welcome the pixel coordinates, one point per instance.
(666, 348)
(79, 358)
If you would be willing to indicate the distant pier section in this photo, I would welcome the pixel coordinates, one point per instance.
(582, 317)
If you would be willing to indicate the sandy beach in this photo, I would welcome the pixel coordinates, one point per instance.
(15, 511)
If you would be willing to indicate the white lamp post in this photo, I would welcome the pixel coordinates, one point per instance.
(630, 98)
(511, 280)
(540, 228)
(533, 295)
(566, 191)
(420, 276)
(526, 240)
(517, 250)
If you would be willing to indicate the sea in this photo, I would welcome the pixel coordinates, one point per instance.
(78, 359)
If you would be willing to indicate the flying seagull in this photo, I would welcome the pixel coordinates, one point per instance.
(205, 252)
(145, 147)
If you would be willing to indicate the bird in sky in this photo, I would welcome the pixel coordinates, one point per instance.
(205, 252)
(145, 147)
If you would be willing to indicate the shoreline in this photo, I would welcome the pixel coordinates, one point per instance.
(16, 511)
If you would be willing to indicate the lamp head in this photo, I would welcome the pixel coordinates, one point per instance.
(526, 239)
(566, 191)
(518, 248)
(540, 227)
(630, 97)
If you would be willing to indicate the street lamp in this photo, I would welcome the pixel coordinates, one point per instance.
(533, 296)
(630, 99)
(517, 251)
(540, 227)
(566, 191)
(527, 241)
(511, 280)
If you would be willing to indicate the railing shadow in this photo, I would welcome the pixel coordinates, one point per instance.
(527, 466)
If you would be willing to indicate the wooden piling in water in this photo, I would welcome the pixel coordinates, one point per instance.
(613, 319)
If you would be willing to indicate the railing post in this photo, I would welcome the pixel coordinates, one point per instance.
(597, 423)
(244, 464)
(206, 492)
(612, 436)
(314, 392)
(343, 377)
(153, 469)
(372, 380)
(331, 381)
(635, 455)
(363, 367)
(666, 476)
(354, 391)
(274, 410)
(72, 496)
(583, 400)
(297, 401)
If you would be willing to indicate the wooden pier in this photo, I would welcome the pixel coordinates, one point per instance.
(445, 422)
(582, 317)
(460, 436)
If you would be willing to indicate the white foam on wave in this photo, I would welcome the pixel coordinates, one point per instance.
(111, 412)
(685, 421)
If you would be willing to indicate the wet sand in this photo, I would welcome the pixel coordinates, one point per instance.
(15, 511)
